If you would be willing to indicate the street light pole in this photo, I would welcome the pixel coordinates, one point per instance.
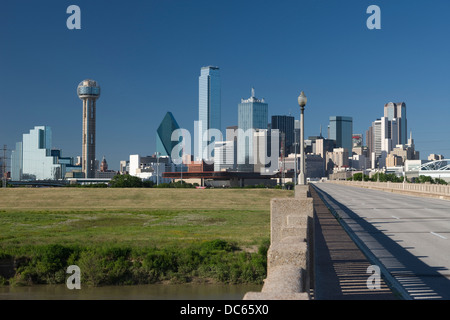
(302, 102)
(157, 168)
(182, 159)
(295, 159)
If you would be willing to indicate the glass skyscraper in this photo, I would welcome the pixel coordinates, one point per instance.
(374, 142)
(341, 130)
(398, 111)
(286, 125)
(33, 160)
(16, 162)
(209, 105)
(164, 143)
(252, 115)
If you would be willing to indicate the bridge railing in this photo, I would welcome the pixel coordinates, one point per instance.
(432, 190)
(290, 255)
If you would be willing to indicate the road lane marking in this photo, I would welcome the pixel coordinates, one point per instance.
(438, 235)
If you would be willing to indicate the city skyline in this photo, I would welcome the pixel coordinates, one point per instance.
(344, 68)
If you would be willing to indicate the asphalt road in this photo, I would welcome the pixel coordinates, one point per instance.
(407, 236)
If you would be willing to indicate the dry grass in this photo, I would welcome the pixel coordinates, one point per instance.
(140, 198)
(134, 217)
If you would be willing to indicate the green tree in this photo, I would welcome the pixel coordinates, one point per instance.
(358, 177)
(148, 184)
(425, 179)
(428, 179)
(440, 181)
(126, 181)
(383, 177)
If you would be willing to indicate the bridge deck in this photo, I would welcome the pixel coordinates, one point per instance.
(340, 266)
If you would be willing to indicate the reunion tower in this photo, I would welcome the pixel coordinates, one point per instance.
(89, 92)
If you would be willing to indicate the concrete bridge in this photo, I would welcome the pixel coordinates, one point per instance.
(290, 255)
(325, 240)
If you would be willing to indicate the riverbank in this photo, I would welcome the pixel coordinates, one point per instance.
(217, 261)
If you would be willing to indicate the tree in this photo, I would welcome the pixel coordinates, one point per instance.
(148, 184)
(425, 179)
(358, 177)
(383, 177)
(440, 181)
(126, 181)
(428, 179)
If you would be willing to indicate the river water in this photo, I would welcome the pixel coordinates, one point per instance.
(137, 292)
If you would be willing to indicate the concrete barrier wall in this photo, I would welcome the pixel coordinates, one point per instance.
(422, 190)
(290, 255)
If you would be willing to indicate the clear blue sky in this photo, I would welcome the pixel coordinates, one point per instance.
(147, 56)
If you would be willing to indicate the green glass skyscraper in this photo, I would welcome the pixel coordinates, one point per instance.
(164, 143)
(341, 130)
(252, 115)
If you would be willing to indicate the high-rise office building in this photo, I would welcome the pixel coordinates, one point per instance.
(398, 111)
(389, 134)
(297, 135)
(435, 157)
(88, 91)
(369, 140)
(164, 143)
(224, 155)
(382, 138)
(405, 152)
(339, 158)
(376, 151)
(341, 130)
(357, 140)
(377, 141)
(16, 162)
(322, 146)
(285, 124)
(225, 152)
(209, 106)
(34, 159)
(252, 115)
(266, 161)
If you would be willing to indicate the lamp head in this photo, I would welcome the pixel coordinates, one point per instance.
(302, 100)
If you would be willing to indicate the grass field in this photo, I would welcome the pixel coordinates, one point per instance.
(136, 217)
(135, 236)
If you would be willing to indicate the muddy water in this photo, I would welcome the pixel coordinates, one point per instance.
(138, 292)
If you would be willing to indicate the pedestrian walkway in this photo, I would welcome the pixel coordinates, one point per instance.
(340, 267)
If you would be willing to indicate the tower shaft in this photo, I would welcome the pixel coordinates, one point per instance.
(88, 156)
